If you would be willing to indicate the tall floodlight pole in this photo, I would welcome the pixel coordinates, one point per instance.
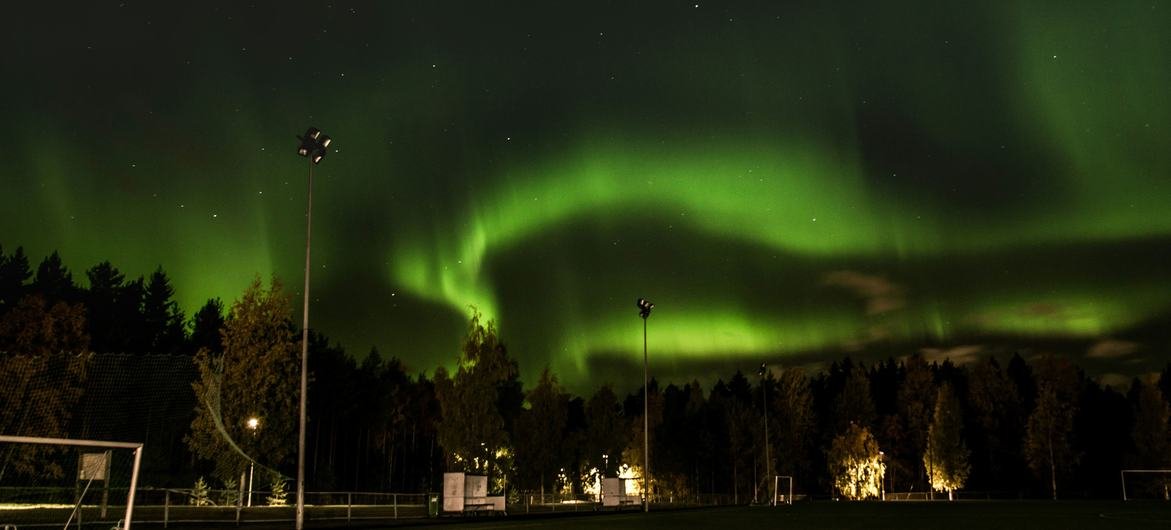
(314, 146)
(764, 388)
(644, 311)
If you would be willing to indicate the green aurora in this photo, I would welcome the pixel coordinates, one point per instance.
(787, 182)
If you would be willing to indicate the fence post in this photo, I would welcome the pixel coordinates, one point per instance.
(394, 499)
(349, 505)
(166, 508)
(240, 499)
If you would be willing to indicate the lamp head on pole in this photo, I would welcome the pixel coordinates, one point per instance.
(644, 307)
(314, 145)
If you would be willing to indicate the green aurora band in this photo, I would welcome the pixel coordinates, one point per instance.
(1003, 172)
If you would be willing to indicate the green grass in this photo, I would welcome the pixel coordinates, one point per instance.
(982, 515)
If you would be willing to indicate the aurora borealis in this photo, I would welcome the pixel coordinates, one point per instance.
(787, 181)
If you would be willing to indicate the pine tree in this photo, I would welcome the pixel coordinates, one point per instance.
(14, 273)
(946, 456)
(206, 325)
(278, 494)
(54, 281)
(161, 315)
(200, 493)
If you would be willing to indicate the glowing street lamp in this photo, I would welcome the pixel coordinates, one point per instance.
(253, 425)
(644, 311)
(314, 146)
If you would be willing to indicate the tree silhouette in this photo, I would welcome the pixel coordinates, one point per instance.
(54, 281)
(161, 315)
(206, 325)
(255, 376)
(14, 273)
(794, 422)
(472, 430)
(540, 432)
(1048, 447)
(43, 355)
(1152, 433)
(916, 401)
(946, 456)
(605, 432)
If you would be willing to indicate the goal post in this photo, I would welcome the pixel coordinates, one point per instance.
(782, 489)
(1155, 483)
(93, 468)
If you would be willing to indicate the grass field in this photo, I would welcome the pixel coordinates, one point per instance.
(961, 515)
(982, 515)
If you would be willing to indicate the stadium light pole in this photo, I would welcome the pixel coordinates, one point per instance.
(764, 388)
(644, 311)
(314, 146)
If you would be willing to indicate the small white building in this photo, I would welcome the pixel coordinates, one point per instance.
(463, 493)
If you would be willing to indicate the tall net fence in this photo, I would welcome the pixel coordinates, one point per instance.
(144, 399)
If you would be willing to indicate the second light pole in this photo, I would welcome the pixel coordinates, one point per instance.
(314, 146)
(644, 311)
(762, 372)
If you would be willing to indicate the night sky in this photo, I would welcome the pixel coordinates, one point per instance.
(789, 182)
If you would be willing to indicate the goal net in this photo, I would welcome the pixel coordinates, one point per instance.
(66, 482)
(1146, 484)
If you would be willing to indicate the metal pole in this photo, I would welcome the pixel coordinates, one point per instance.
(133, 487)
(646, 411)
(251, 482)
(304, 357)
(767, 469)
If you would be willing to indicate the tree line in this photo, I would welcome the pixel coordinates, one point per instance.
(1021, 427)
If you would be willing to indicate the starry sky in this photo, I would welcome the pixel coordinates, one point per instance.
(788, 182)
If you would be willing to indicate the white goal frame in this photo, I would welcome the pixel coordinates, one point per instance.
(1139, 471)
(776, 489)
(137, 447)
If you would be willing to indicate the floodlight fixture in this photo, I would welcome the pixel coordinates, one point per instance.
(763, 368)
(314, 144)
(644, 307)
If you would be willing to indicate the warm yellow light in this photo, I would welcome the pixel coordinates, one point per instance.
(253, 423)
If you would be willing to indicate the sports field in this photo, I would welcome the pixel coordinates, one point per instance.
(982, 515)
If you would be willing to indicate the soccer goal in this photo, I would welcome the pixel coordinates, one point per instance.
(782, 490)
(58, 480)
(1146, 484)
